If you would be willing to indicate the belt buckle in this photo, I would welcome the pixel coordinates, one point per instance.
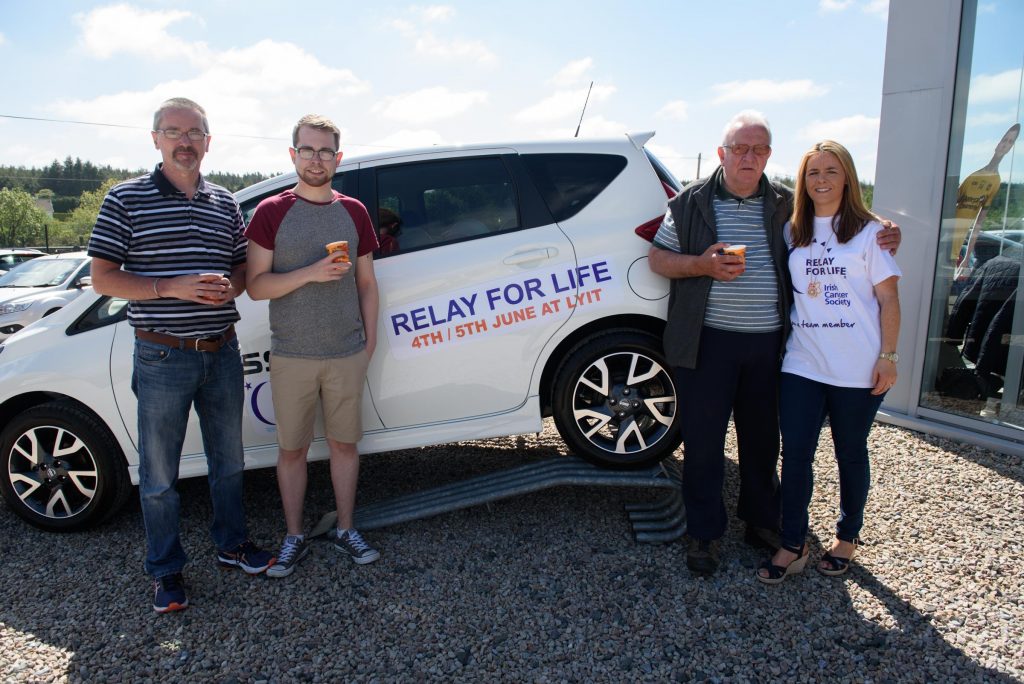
(195, 344)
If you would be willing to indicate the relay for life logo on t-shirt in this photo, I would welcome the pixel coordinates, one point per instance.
(835, 316)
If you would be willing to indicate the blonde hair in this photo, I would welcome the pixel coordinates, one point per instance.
(852, 216)
(320, 123)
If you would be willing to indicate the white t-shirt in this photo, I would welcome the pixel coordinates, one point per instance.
(836, 334)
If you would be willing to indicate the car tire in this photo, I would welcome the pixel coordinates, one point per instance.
(62, 469)
(614, 400)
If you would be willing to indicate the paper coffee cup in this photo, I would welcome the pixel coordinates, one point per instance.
(738, 250)
(341, 247)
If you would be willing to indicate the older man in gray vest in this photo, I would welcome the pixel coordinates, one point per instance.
(727, 324)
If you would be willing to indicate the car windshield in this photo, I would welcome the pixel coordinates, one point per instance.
(40, 273)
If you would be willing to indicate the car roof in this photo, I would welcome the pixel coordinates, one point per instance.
(592, 145)
(21, 250)
(65, 255)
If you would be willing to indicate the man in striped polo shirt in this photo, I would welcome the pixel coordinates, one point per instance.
(173, 245)
(727, 323)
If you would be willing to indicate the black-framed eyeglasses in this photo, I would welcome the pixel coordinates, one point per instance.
(308, 153)
(741, 149)
(194, 134)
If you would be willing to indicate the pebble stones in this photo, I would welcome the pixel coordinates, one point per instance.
(547, 587)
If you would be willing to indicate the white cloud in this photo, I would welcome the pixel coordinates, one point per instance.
(435, 12)
(258, 90)
(765, 90)
(407, 138)
(848, 130)
(114, 29)
(595, 126)
(878, 8)
(565, 103)
(677, 110)
(429, 104)
(1005, 118)
(425, 42)
(572, 73)
(834, 5)
(995, 87)
(472, 50)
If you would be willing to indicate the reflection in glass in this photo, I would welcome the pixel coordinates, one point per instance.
(975, 357)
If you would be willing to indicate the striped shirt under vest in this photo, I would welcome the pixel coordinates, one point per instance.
(750, 303)
(152, 229)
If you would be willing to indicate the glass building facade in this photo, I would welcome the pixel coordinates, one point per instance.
(974, 356)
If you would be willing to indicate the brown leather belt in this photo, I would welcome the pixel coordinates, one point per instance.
(203, 344)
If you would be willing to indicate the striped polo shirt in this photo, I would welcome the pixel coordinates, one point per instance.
(152, 229)
(750, 303)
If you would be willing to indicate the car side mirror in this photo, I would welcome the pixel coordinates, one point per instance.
(84, 281)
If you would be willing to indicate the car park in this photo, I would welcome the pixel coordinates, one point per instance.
(35, 289)
(518, 288)
(9, 258)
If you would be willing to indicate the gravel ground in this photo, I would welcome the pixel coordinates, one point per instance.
(548, 587)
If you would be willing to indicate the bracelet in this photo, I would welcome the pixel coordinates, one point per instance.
(155, 290)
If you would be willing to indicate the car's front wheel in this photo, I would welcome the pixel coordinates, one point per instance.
(62, 469)
(614, 400)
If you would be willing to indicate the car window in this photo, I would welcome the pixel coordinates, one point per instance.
(436, 203)
(248, 207)
(106, 311)
(40, 273)
(569, 182)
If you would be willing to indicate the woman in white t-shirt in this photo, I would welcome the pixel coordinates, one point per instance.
(841, 356)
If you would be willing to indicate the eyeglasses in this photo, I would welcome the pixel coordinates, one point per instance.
(308, 153)
(194, 134)
(742, 149)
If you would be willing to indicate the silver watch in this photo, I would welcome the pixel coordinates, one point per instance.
(890, 356)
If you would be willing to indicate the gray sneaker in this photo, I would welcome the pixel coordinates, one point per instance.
(292, 551)
(352, 543)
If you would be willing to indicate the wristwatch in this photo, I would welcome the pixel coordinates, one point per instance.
(890, 356)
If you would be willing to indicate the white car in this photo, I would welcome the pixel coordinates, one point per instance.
(37, 288)
(9, 258)
(515, 288)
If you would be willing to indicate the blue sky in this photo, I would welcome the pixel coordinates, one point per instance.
(395, 74)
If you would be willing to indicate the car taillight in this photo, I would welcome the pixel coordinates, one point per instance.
(669, 190)
(648, 230)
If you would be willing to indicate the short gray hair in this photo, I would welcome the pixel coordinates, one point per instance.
(748, 117)
(180, 103)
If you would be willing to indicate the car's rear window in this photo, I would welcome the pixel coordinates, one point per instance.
(569, 182)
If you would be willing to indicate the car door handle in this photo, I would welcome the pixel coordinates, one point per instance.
(531, 255)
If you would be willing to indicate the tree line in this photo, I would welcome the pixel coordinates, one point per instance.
(75, 189)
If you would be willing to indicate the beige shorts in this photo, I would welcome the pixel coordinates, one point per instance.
(297, 384)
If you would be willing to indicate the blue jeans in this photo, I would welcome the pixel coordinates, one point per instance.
(167, 382)
(803, 405)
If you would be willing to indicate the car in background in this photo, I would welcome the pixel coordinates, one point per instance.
(516, 288)
(9, 258)
(35, 289)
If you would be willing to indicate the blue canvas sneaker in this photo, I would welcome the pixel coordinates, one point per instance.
(352, 543)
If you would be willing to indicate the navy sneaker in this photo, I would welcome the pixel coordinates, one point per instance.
(246, 556)
(169, 594)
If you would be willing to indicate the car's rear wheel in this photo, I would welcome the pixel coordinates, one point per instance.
(615, 400)
(62, 469)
